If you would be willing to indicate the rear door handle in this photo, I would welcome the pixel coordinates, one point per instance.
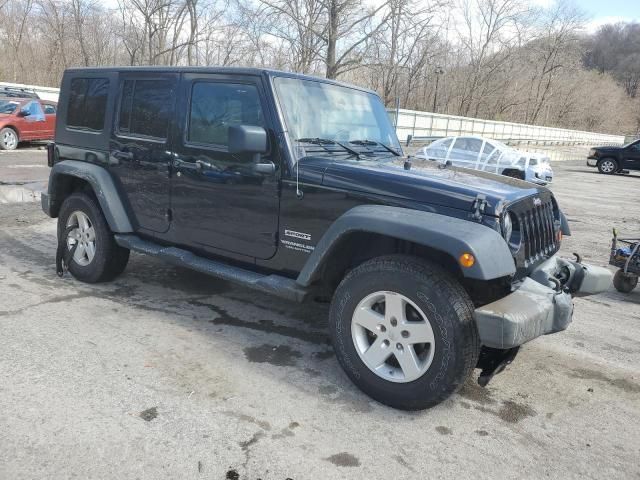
(120, 155)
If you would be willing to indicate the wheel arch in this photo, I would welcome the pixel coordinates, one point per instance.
(70, 176)
(384, 230)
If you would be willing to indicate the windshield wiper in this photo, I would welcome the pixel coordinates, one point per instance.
(365, 143)
(326, 141)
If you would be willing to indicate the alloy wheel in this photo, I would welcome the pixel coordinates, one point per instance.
(84, 236)
(393, 336)
(9, 139)
(607, 166)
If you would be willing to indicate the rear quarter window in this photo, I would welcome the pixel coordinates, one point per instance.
(87, 103)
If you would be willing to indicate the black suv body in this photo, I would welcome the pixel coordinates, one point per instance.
(612, 159)
(297, 186)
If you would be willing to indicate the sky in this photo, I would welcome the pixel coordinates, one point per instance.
(607, 11)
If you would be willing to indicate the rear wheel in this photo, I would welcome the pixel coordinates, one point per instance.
(8, 139)
(97, 257)
(403, 331)
(607, 166)
(624, 282)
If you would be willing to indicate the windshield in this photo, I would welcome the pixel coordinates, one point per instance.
(7, 107)
(327, 114)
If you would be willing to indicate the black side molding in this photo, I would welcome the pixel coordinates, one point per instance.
(273, 284)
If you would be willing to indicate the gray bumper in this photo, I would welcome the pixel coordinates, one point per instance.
(537, 307)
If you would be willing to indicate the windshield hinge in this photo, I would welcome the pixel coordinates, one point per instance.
(478, 206)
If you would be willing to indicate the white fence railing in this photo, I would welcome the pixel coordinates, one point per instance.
(415, 124)
(45, 93)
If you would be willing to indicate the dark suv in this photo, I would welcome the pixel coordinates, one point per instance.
(611, 159)
(298, 187)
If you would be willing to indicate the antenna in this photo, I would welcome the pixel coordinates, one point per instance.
(299, 193)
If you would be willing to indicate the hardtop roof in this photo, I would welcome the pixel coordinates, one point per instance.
(220, 70)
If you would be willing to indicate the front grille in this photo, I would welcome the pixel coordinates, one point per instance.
(537, 229)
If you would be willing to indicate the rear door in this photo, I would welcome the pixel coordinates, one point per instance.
(49, 121)
(219, 201)
(140, 153)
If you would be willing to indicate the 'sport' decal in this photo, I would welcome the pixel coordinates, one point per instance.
(297, 245)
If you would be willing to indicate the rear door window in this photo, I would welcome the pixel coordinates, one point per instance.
(87, 103)
(49, 109)
(145, 108)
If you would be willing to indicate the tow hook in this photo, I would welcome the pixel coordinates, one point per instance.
(556, 282)
(492, 361)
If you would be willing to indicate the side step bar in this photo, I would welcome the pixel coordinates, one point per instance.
(272, 284)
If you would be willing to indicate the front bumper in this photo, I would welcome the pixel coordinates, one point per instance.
(592, 162)
(541, 305)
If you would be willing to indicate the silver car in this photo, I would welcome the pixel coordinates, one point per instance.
(490, 155)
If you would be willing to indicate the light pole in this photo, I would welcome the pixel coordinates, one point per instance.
(438, 71)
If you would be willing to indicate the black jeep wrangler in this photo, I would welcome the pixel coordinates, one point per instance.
(298, 187)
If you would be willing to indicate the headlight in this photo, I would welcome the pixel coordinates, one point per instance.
(507, 227)
(511, 231)
(592, 152)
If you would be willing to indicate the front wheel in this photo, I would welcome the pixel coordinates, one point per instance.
(8, 139)
(403, 330)
(607, 166)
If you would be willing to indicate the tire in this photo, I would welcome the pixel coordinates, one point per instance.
(514, 174)
(624, 283)
(607, 166)
(8, 139)
(427, 291)
(108, 259)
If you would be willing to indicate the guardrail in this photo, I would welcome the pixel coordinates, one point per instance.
(45, 93)
(412, 125)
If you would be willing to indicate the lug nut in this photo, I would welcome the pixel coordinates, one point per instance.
(385, 343)
(399, 346)
(394, 322)
(405, 334)
(382, 328)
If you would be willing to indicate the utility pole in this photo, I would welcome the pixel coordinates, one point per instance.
(438, 71)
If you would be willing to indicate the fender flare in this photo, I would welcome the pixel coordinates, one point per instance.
(103, 187)
(450, 235)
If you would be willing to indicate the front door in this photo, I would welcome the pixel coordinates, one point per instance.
(32, 122)
(219, 201)
(140, 153)
(631, 156)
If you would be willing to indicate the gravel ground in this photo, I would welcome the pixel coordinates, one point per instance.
(166, 373)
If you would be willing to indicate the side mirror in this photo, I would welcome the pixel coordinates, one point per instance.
(247, 139)
(23, 113)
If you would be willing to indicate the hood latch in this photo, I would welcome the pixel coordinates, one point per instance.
(478, 206)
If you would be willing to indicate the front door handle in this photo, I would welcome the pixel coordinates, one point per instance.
(265, 168)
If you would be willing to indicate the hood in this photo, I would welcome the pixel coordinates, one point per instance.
(426, 182)
(607, 148)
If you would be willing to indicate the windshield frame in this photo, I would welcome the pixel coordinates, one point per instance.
(280, 109)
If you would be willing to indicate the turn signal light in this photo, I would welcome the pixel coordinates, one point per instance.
(467, 260)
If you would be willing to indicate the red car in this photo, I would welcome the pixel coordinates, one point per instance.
(25, 119)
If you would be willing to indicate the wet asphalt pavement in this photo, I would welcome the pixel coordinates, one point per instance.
(167, 373)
